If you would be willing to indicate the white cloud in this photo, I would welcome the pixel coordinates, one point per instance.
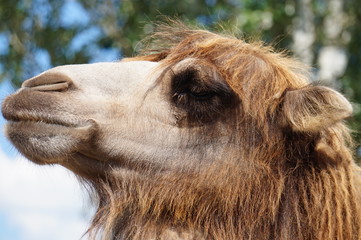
(41, 202)
(333, 62)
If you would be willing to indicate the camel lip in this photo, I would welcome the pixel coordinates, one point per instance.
(47, 143)
(12, 114)
(46, 122)
(38, 121)
(34, 119)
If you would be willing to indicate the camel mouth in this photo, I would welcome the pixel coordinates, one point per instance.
(15, 110)
(47, 142)
(32, 119)
(45, 124)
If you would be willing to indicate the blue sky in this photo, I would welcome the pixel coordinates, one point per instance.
(44, 202)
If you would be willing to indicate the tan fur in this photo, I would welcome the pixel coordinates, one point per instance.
(273, 163)
(292, 186)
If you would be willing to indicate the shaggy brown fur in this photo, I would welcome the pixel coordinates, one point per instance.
(288, 172)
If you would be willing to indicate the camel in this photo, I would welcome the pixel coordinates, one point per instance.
(200, 136)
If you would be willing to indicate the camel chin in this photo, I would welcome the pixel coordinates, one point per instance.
(47, 143)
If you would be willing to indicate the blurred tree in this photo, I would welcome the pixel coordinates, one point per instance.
(30, 35)
(352, 78)
(36, 35)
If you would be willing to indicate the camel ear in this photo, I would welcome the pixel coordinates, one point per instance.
(314, 108)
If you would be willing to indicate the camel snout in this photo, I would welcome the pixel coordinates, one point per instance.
(48, 81)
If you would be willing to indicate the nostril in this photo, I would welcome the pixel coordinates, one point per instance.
(60, 86)
(48, 81)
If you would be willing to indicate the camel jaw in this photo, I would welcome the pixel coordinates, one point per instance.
(42, 135)
(47, 143)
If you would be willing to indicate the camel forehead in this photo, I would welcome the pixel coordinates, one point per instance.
(106, 68)
(111, 75)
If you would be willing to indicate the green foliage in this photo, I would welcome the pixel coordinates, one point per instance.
(30, 27)
(352, 78)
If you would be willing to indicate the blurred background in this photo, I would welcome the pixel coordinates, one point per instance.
(42, 203)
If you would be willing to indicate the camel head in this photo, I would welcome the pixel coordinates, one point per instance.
(212, 113)
(180, 108)
(129, 114)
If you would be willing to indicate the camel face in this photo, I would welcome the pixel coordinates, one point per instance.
(129, 115)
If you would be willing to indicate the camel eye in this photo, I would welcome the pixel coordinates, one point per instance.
(199, 95)
(187, 88)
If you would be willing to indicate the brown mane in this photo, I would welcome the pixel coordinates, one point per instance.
(289, 184)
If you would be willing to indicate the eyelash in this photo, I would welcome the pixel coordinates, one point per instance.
(185, 87)
(198, 95)
(201, 103)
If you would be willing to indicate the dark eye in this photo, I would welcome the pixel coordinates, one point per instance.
(201, 95)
